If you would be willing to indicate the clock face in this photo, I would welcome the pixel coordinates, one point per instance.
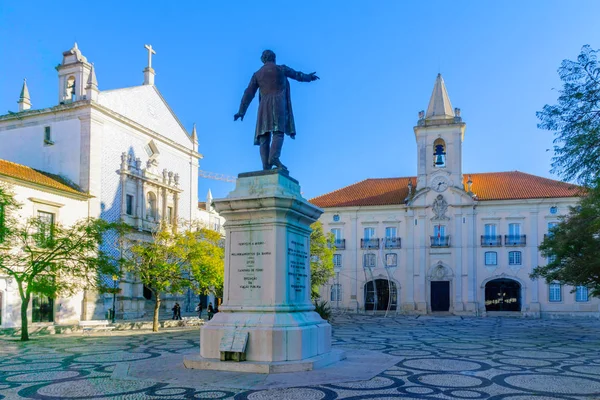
(439, 184)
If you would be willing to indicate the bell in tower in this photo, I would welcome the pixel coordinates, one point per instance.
(439, 155)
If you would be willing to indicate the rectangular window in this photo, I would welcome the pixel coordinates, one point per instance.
(48, 136)
(391, 260)
(369, 260)
(369, 233)
(439, 230)
(336, 292)
(491, 258)
(129, 204)
(337, 233)
(390, 232)
(46, 227)
(337, 260)
(514, 258)
(550, 226)
(581, 293)
(490, 230)
(555, 292)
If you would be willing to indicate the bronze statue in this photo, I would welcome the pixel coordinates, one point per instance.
(275, 117)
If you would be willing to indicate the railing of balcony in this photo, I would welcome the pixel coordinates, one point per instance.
(392, 243)
(340, 244)
(440, 241)
(515, 240)
(369, 243)
(491, 241)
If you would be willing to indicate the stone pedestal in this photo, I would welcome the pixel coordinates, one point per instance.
(267, 278)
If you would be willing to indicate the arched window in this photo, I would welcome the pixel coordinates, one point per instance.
(439, 153)
(70, 88)
(151, 210)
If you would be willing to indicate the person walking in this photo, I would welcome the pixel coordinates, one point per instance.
(199, 310)
(176, 311)
(210, 310)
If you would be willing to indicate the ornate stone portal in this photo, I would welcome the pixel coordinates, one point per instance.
(267, 281)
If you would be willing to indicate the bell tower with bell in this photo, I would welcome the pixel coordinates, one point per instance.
(439, 134)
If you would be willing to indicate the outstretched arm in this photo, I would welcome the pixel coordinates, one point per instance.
(299, 76)
(249, 94)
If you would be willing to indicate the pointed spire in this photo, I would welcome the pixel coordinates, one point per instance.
(24, 99)
(91, 88)
(92, 82)
(194, 134)
(75, 47)
(209, 197)
(439, 104)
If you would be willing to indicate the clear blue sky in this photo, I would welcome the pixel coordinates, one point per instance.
(377, 61)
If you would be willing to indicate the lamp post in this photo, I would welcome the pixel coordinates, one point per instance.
(115, 279)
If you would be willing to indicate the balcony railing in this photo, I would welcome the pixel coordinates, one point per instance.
(369, 243)
(491, 241)
(392, 243)
(514, 240)
(340, 244)
(440, 241)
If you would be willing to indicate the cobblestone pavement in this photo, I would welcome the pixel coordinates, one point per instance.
(445, 357)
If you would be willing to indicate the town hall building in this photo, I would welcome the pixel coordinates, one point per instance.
(120, 155)
(444, 240)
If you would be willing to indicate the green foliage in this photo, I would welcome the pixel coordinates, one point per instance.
(57, 264)
(323, 309)
(321, 258)
(170, 262)
(575, 245)
(575, 119)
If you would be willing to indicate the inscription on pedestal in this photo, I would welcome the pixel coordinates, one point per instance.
(297, 254)
(250, 252)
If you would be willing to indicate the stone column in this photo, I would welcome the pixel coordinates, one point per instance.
(267, 278)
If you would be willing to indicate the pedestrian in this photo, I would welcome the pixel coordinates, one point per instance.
(210, 310)
(176, 311)
(199, 310)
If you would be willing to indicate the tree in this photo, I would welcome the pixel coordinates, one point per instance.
(575, 119)
(321, 258)
(51, 259)
(171, 262)
(573, 247)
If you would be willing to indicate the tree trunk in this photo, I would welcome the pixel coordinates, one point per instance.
(156, 309)
(24, 323)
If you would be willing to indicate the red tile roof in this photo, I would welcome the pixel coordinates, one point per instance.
(487, 186)
(28, 174)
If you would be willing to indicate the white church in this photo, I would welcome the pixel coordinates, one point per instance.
(118, 154)
(446, 241)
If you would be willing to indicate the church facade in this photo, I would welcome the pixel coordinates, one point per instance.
(124, 149)
(447, 241)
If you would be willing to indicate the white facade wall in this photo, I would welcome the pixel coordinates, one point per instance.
(463, 263)
(67, 210)
(23, 143)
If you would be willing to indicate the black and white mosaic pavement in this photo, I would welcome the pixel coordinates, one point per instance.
(445, 358)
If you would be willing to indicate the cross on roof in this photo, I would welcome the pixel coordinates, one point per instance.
(150, 52)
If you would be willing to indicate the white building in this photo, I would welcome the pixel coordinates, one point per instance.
(125, 149)
(45, 196)
(447, 241)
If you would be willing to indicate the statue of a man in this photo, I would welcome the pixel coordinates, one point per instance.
(275, 117)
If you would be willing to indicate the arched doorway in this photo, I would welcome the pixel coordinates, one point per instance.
(503, 295)
(381, 295)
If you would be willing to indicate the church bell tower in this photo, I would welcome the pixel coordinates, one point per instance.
(73, 74)
(439, 134)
